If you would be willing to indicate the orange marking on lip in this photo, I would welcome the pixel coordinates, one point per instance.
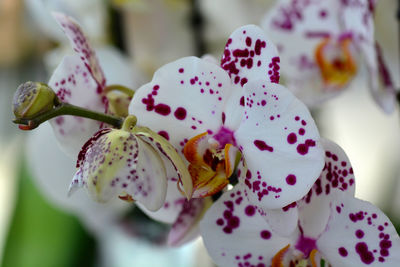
(339, 71)
(312, 257)
(191, 151)
(277, 260)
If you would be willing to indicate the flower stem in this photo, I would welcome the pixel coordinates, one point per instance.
(68, 109)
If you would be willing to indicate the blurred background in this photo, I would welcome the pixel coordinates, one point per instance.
(40, 226)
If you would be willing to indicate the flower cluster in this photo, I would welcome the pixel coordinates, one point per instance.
(224, 150)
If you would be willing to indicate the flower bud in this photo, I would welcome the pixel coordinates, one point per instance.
(118, 103)
(32, 98)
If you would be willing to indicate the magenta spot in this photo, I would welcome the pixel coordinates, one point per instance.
(164, 134)
(242, 101)
(261, 145)
(343, 252)
(156, 87)
(302, 131)
(263, 102)
(234, 222)
(297, 118)
(250, 210)
(359, 234)
(180, 113)
(162, 109)
(227, 230)
(220, 222)
(265, 234)
(302, 149)
(248, 41)
(366, 256)
(292, 138)
(291, 179)
(181, 70)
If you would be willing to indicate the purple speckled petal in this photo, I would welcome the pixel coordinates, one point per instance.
(73, 84)
(280, 144)
(81, 45)
(297, 27)
(172, 206)
(380, 81)
(336, 178)
(150, 182)
(235, 234)
(116, 163)
(186, 227)
(249, 55)
(187, 94)
(359, 234)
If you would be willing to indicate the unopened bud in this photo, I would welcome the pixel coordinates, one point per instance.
(32, 98)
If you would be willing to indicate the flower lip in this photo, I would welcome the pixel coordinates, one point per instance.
(225, 136)
(306, 245)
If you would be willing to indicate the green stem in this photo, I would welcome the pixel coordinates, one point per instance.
(68, 109)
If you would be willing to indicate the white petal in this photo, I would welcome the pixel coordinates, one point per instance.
(336, 177)
(187, 94)
(359, 234)
(150, 188)
(282, 221)
(172, 206)
(81, 45)
(234, 233)
(280, 144)
(73, 84)
(186, 227)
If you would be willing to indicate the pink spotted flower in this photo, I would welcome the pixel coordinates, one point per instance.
(217, 116)
(332, 226)
(324, 43)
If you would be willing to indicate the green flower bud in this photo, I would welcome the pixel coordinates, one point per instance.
(32, 98)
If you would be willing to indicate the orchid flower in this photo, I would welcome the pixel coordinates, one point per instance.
(324, 43)
(332, 227)
(217, 114)
(79, 80)
(127, 163)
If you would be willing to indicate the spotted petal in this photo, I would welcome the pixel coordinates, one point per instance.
(81, 45)
(188, 95)
(186, 227)
(359, 234)
(73, 84)
(250, 55)
(336, 178)
(230, 224)
(280, 143)
(117, 163)
(166, 149)
(172, 206)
